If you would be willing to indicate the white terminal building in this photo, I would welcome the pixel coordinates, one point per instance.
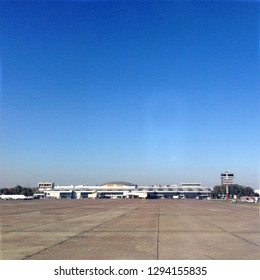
(121, 189)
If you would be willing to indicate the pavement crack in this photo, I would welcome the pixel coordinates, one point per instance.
(224, 230)
(246, 240)
(77, 235)
(209, 257)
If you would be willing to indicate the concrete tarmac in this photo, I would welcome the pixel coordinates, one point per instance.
(108, 229)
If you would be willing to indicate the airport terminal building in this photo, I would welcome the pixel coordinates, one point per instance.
(121, 189)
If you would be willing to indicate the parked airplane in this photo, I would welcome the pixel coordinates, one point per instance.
(14, 197)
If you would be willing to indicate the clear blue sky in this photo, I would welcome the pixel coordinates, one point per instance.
(146, 92)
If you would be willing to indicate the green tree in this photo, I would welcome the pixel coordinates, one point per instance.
(236, 189)
(214, 194)
(248, 191)
(5, 191)
(233, 189)
(219, 190)
(27, 192)
(18, 189)
(12, 191)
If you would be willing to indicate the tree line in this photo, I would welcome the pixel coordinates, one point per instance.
(18, 190)
(234, 189)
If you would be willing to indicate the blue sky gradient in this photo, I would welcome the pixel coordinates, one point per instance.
(146, 92)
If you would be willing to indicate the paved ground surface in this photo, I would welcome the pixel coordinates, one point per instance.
(129, 229)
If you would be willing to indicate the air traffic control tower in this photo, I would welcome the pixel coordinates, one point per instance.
(227, 179)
